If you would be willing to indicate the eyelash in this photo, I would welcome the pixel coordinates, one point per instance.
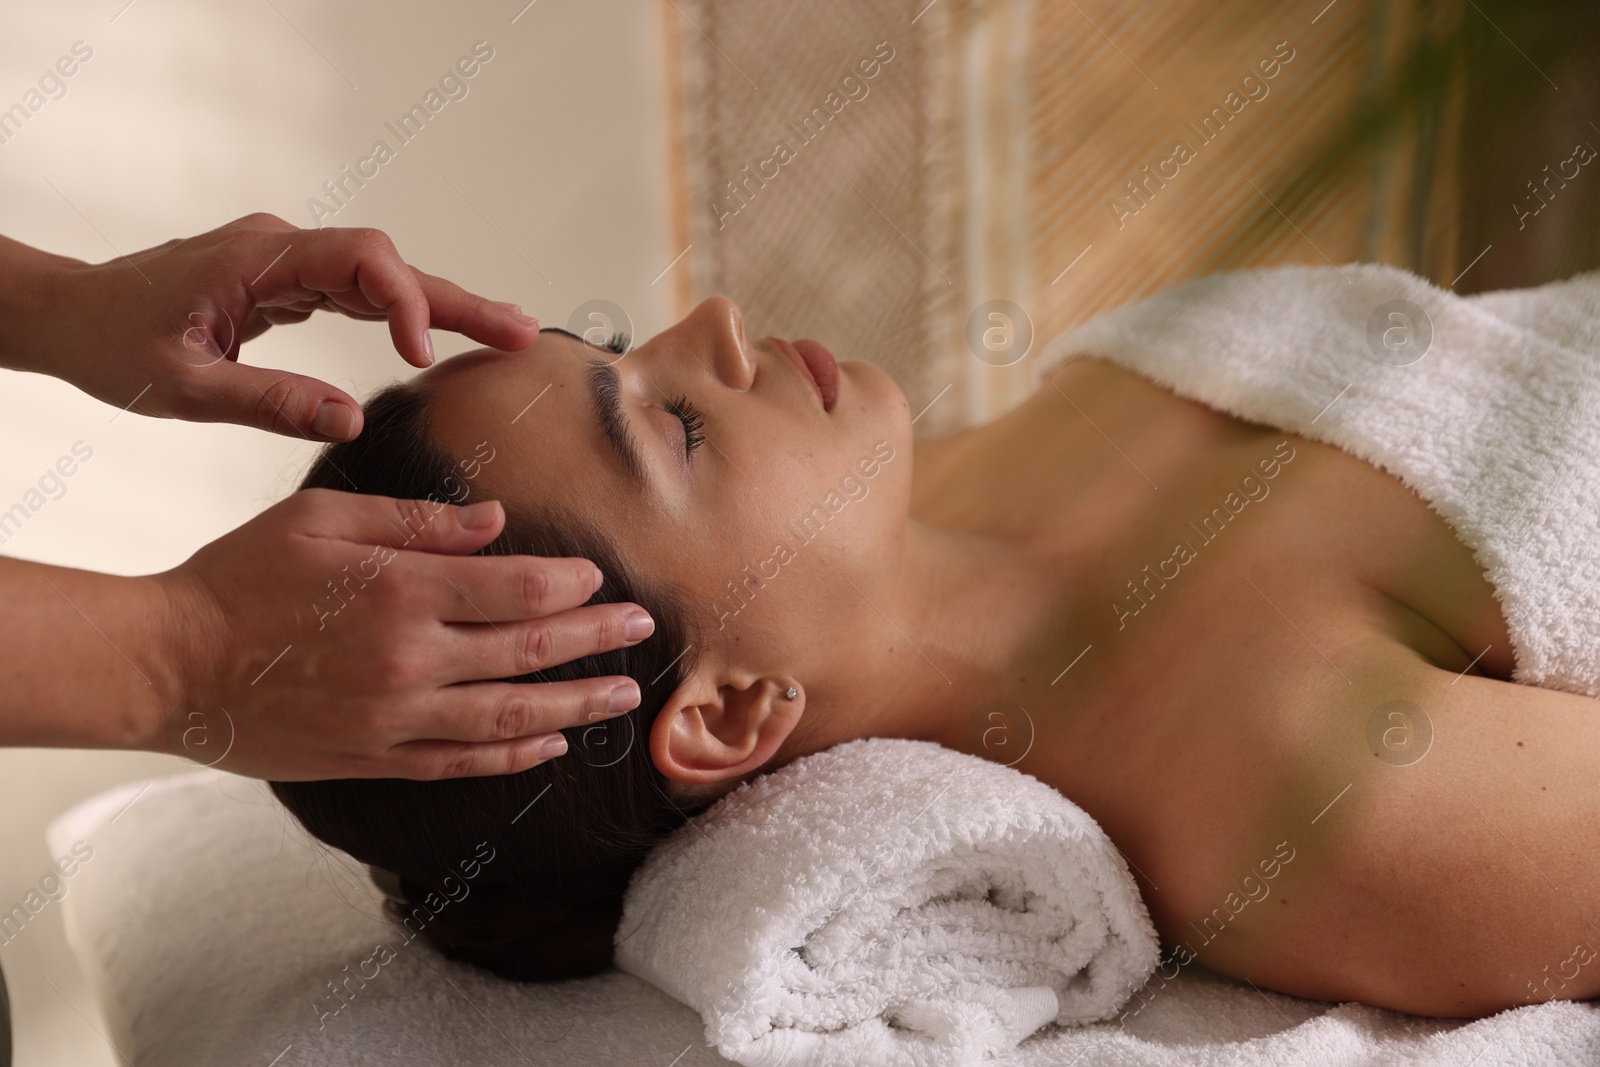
(692, 422)
(619, 342)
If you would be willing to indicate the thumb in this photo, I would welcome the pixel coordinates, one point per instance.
(273, 400)
(415, 525)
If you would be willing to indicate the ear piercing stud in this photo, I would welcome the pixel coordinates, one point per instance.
(790, 693)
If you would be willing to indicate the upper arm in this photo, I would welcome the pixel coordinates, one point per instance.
(1469, 880)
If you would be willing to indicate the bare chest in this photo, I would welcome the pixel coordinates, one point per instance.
(1171, 517)
(1244, 580)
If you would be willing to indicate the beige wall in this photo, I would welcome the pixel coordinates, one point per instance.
(190, 114)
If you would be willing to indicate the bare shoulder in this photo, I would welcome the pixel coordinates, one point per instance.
(1454, 868)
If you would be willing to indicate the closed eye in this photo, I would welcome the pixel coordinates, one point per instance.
(607, 393)
(619, 342)
(692, 422)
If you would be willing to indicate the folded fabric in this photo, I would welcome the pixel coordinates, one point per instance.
(1488, 407)
(888, 903)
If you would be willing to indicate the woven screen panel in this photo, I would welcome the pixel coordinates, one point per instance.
(1024, 152)
(1140, 158)
(809, 192)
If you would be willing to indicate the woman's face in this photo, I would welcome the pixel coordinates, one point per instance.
(780, 507)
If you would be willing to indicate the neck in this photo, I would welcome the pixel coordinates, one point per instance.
(949, 640)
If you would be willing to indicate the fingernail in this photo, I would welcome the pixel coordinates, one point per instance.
(553, 746)
(427, 345)
(479, 515)
(639, 626)
(334, 420)
(515, 312)
(599, 580)
(624, 697)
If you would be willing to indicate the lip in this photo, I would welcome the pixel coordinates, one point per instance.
(817, 365)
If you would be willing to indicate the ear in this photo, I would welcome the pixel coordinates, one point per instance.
(714, 729)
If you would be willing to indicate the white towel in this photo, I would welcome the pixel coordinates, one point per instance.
(1497, 425)
(887, 903)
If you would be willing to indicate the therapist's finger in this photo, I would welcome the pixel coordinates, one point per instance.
(347, 262)
(504, 650)
(481, 589)
(361, 271)
(433, 760)
(415, 525)
(505, 711)
(277, 401)
(493, 323)
(430, 539)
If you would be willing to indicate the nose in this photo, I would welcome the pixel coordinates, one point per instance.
(714, 330)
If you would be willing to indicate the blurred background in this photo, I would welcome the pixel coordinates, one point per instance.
(1074, 155)
(541, 186)
(873, 175)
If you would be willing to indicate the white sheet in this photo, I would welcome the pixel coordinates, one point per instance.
(214, 924)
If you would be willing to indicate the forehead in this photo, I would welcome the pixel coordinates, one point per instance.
(493, 383)
(530, 410)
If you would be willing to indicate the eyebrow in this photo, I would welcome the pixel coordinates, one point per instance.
(605, 393)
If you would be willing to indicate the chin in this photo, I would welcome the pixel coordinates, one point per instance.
(870, 398)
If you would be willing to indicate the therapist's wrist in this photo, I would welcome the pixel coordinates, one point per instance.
(184, 653)
(39, 318)
(88, 659)
(148, 721)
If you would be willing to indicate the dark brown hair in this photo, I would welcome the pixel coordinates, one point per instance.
(564, 836)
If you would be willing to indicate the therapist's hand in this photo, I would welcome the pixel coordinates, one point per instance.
(159, 331)
(276, 677)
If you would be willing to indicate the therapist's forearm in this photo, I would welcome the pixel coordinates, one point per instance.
(30, 306)
(81, 660)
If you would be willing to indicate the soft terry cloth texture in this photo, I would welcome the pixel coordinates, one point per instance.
(1497, 426)
(891, 903)
(211, 927)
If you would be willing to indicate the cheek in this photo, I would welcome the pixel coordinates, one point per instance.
(791, 550)
(791, 464)
(845, 484)
(872, 402)
(792, 505)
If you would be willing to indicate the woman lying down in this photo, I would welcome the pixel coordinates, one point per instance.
(814, 579)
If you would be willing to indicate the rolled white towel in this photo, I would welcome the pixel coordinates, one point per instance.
(889, 903)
